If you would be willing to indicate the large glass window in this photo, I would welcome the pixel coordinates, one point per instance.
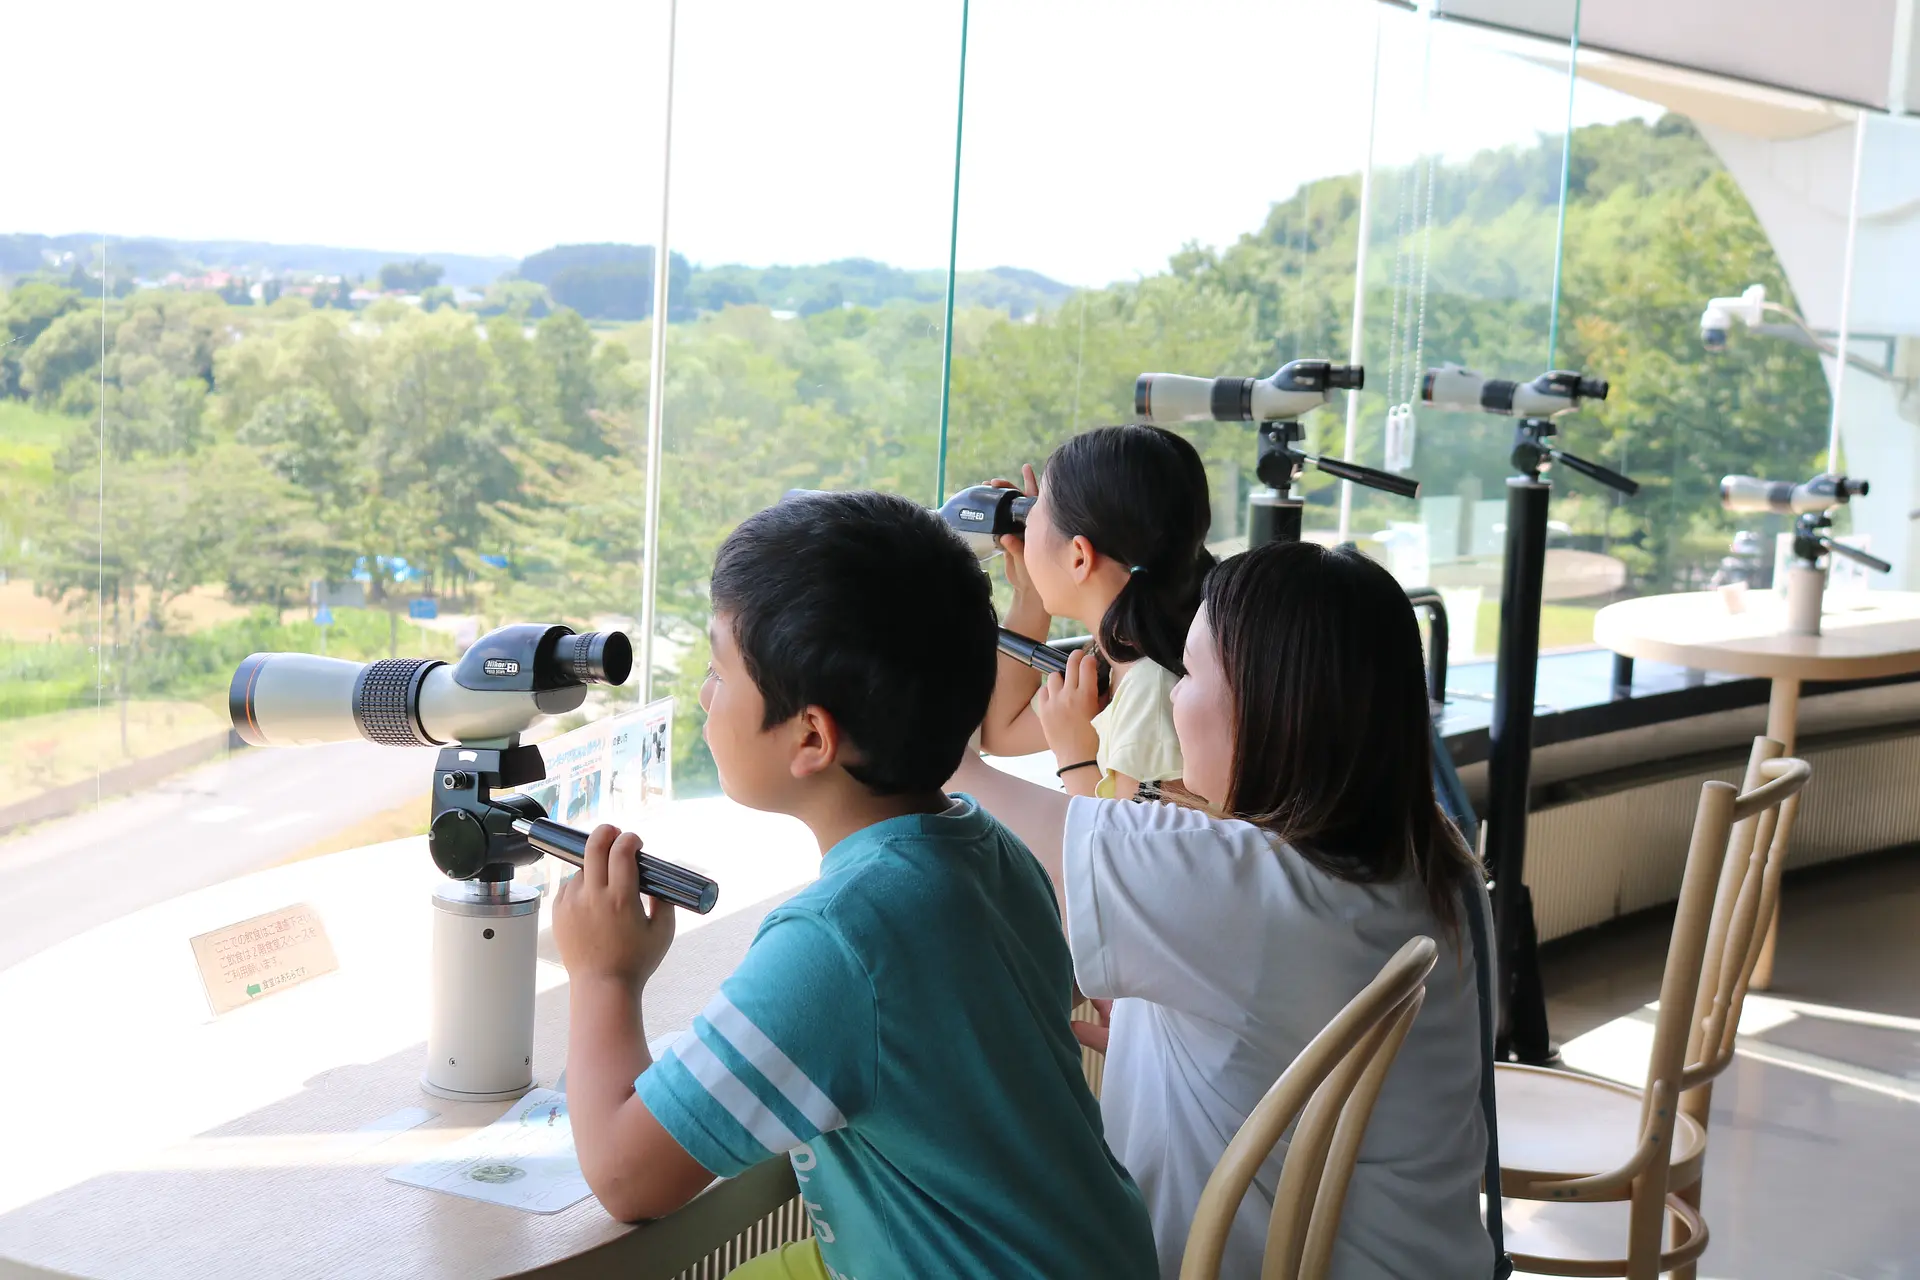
(335, 344)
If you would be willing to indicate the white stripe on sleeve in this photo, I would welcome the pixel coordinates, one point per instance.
(705, 1066)
(768, 1059)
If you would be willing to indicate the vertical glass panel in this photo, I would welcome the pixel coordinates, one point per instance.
(1879, 414)
(1470, 131)
(346, 397)
(1205, 232)
(812, 192)
(1746, 194)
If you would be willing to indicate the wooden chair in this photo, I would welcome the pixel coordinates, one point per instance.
(1331, 1087)
(1566, 1137)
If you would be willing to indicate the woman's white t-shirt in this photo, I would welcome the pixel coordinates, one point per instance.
(1225, 952)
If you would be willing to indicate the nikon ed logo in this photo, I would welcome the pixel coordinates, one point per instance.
(973, 517)
(502, 667)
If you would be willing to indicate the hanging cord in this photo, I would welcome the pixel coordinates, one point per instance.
(1403, 394)
(1396, 333)
(1300, 270)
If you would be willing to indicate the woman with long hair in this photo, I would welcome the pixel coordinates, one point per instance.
(1226, 938)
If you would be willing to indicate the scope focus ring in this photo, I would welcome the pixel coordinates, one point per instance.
(386, 701)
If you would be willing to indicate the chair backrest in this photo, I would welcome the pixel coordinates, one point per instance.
(1331, 1088)
(1743, 905)
(1727, 892)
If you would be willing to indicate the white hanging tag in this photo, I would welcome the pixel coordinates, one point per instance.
(1400, 432)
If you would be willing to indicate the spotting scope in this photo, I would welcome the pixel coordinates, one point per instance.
(501, 685)
(1164, 399)
(1547, 396)
(1536, 404)
(1784, 497)
(1809, 501)
(486, 924)
(985, 513)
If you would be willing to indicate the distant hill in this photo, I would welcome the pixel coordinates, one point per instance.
(615, 282)
(600, 281)
(151, 258)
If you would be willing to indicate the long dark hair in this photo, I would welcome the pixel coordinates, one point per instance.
(1139, 495)
(1332, 747)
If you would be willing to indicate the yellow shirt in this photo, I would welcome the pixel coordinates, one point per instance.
(1136, 728)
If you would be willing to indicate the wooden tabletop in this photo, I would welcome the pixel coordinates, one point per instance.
(1863, 634)
(146, 1137)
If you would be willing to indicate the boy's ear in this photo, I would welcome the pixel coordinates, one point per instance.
(1081, 558)
(817, 742)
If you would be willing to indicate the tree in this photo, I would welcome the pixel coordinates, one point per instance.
(58, 370)
(436, 296)
(414, 276)
(522, 299)
(565, 344)
(30, 310)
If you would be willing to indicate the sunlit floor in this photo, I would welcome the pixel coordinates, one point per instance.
(1813, 1165)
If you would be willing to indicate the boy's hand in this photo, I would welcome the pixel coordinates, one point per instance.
(599, 922)
(1067, 705)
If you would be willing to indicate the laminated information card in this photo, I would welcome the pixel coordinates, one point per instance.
(258, 957)
(523, 1160)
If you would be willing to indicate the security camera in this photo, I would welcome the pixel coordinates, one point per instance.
(1749, 308)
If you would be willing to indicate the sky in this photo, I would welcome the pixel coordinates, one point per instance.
(1099, 135)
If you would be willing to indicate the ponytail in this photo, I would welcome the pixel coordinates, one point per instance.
(1150, 616)
(1139, 495)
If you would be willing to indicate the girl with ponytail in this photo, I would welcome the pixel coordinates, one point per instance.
(1116, 541)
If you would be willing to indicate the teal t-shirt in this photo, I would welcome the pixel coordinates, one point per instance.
(899, 1030)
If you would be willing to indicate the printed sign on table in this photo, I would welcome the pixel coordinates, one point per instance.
(258, 957)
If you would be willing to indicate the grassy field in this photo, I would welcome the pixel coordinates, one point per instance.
(1562, 626)
(39, 753)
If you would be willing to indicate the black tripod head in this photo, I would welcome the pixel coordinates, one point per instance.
(1811, 541)
(1532, 455)
(1278, 461)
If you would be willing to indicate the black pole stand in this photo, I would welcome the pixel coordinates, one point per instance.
(1522, 1031)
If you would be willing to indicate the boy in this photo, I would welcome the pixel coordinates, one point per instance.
(898, 1028)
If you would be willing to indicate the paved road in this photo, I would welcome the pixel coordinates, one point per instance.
(195, 829)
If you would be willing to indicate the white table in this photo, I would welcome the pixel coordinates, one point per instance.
(145, 1137)
(1864, 634)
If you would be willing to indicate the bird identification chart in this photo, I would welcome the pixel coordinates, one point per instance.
(524, 1160)
(610, 770)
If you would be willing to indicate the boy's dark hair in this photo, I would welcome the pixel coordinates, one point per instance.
(1139, 495)
(869, 606)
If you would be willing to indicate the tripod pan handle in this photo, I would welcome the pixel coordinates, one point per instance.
(1386, 481)
(1593, 470)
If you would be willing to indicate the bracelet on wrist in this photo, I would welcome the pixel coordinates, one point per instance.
(1064, 770)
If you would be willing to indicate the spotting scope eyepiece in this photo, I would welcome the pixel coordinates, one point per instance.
(985, 513)
(1164, 399)
(1547, 396)
(1783, 497)
(506, 680)
(597, 657)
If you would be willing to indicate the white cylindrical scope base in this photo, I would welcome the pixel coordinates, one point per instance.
(480, 1030)
(1805, 587)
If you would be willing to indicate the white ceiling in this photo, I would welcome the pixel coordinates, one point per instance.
(1848, 51)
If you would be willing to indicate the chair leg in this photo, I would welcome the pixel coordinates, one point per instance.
(1647, 1228)
(1689, 1270)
